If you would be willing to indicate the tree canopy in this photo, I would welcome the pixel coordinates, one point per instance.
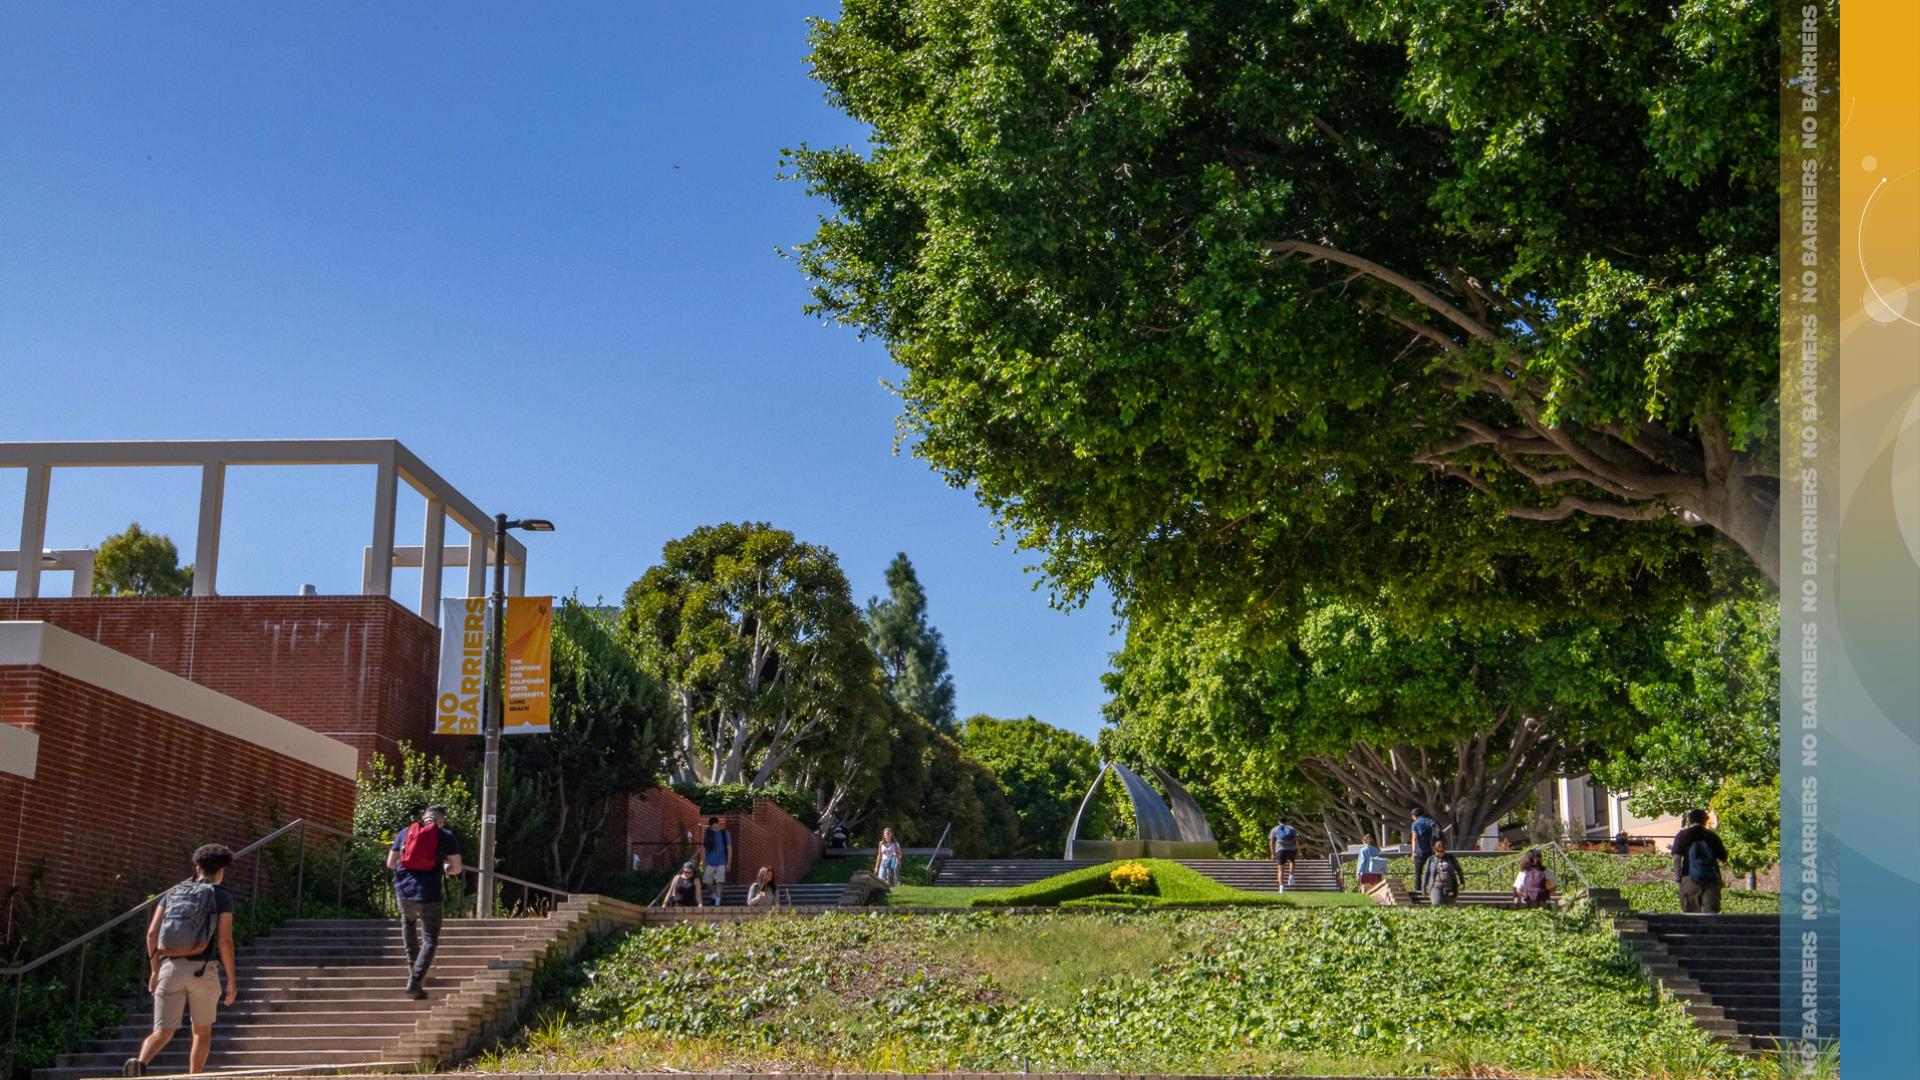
(1270, 296)
(1044, 770)
(913, 658)
(756, 637)
(139, 563)
(1711, 703)
(1354, 718)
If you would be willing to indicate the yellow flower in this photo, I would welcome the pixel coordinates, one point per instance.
(1130, 877)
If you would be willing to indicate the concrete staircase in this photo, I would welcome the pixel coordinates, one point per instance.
(327, 996)
(1467, 899)
(1735, 960)
(790, 895)
(1253, 875)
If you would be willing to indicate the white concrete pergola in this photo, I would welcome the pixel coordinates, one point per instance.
(392, 463)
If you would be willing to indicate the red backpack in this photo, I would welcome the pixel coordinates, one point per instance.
(421, 849)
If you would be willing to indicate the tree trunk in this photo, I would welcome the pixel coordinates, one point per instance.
(1464, 795)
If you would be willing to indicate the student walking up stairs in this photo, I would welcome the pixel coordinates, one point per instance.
(330, 995)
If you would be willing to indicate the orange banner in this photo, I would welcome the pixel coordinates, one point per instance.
(529, 665)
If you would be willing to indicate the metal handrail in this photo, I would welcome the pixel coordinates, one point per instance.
(1571, 865)
(138, 908)
(1333, 856)
(938, 846)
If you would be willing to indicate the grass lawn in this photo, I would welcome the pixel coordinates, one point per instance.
(1644, 879)
(958, 896)
(1380, 991)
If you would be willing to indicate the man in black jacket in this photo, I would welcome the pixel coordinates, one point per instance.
(1697, 855)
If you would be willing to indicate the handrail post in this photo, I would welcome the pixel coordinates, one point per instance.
(13, 1027)
(300, 875)
(253, 915)
(80, 979)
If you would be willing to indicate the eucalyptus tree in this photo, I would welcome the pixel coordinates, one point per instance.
(757, 639)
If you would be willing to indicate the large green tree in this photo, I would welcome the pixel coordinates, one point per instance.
(139, 563)
(1044, 770)
(612, 730)
(1263, 294)
(1353, 717)
(1711, 708)
(927, 784)
(757, 639)
(912, 655)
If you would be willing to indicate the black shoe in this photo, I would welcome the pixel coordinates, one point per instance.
(133, 1067)
(413, 990)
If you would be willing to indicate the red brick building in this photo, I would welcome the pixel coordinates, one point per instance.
(113, 769)
(358, 668)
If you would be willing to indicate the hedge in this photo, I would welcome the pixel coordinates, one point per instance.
(1173, 886)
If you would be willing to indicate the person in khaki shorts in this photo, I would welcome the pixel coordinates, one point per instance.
(186, 983)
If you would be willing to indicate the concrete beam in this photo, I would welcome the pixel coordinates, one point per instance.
(206, 542)
(33, 531)
(432, 559)
(379, 576)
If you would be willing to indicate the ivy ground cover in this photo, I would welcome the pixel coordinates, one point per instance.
(1272, 990)
(1645, 879)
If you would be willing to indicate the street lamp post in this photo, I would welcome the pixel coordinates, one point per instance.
(493, 710)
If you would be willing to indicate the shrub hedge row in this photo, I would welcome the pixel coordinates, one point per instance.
(1174, 886)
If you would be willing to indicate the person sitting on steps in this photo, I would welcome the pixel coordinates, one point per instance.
(763, 892)
(421, 855)
(191, 924)
(684, 889)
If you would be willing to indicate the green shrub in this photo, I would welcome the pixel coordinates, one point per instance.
(738, 799)
(1172, 885)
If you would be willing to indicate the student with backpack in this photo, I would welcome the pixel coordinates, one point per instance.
(1534, 885)
(1697, 854)
(1442, 877)
(716, 841)
(1283, 845)
(422, 854)
(192, 923)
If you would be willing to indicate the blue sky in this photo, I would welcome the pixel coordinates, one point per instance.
(252, 221)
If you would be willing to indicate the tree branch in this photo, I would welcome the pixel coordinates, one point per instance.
(1574, 504)
(1423, 295)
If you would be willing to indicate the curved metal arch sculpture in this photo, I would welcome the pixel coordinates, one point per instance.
(1173, 828)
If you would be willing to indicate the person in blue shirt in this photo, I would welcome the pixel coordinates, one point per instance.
(1283, 843)
(1424, 830)
(1369, 866)
(716, 843)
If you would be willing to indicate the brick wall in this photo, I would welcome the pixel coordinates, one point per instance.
(769, 836)
(123, 792)
(661, 827)
(359, 668)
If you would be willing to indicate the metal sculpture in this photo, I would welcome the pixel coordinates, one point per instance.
(1170, 828)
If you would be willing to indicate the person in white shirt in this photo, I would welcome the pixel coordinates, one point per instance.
(1534, 885)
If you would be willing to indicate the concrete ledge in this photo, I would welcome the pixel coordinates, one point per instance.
(19, 751)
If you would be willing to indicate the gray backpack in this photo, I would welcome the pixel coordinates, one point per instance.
(188, 914)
